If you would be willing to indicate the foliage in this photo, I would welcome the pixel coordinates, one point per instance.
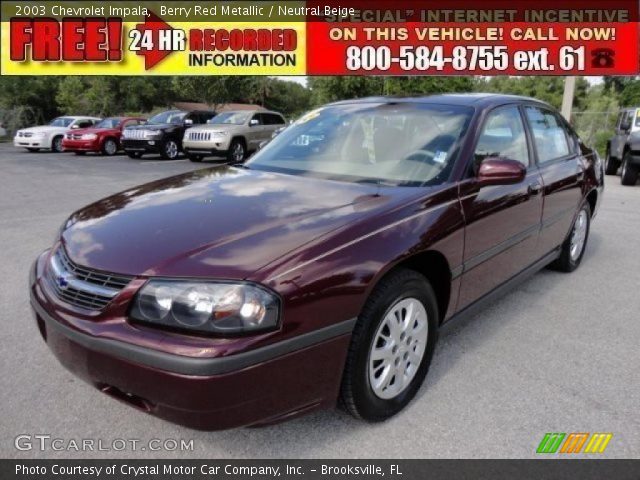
(330, 89)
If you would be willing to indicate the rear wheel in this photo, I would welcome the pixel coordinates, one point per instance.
(612, 165)
(629, 173)
(56, 144)
(170, 150)
(574, 246)
(391, 347)
(110, 147)
(237, 151)
(134, 154)
(194, 157)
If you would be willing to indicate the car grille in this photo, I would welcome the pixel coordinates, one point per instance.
(83, 287)
(200, 136)
(134, 134)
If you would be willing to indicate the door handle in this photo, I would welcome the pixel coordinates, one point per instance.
(534, 188)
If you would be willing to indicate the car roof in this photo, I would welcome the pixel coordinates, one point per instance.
(249, 111)
(481, 100)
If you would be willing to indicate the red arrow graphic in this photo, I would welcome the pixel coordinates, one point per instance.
(154, 55)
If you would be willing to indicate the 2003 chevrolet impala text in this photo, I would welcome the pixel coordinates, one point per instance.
(323, 268)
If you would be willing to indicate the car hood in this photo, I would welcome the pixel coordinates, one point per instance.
(223, 222)
(209, 127)
(83, 131)
(45, 129)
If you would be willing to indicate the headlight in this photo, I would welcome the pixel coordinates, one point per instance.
(150, 133)
(206, 307)
(89, 136)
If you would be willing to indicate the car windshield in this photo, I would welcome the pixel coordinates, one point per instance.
(109, 123)
(61, 122)
(174, 116)
(230, 118)
(407, 144)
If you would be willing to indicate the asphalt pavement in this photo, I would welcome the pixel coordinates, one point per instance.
(560, 353)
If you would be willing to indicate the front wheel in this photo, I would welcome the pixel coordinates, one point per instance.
(391, 347)
(612, 165)
(236, 152)
(629, 173)
(56, 145)
(110, 147)
(574, 246)
(170, 150)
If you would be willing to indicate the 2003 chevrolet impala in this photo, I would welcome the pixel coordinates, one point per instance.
(320, 270)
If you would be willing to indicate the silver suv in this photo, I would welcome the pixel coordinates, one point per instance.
(623, 150)
(231, 134)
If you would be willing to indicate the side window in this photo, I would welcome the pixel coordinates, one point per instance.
(84, 123)
(273, 119)
(206, 116)
(549, 135)
(503, 135)
(258, 117)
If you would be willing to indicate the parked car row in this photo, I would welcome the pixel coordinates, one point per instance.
(197, 133)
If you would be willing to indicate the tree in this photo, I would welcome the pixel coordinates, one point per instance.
(427, 85)
(330, 89)
(33, 92)
(214, 90)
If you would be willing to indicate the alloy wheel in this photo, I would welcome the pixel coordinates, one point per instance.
(110, 147)
(579, 235)
(238, 152)
(398, 348)
(57, 144)
(171, 149)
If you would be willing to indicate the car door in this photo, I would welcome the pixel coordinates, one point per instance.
(255, 133)
(622, 132)
(562, 171)
(502, 221)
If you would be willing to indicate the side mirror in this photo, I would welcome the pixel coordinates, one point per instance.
(625, 126)
(500, 171)
(253, 122)
(75, 127)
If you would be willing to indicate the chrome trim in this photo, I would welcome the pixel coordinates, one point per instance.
(83, 286)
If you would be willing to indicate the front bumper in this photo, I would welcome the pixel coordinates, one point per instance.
(80, 145)
(145, 146)
(259, 386)
(31, 142)
(215, 147)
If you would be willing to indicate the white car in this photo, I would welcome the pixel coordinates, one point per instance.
(50, 136)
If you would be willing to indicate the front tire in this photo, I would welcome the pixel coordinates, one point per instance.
(391, 347)
(237, 151)
(629, 173)
(56, 144)
(612, 165)
(170, 150)
(109, 147)
(575, 245)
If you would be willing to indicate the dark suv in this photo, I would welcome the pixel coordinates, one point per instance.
(162, 133)
(623, 150)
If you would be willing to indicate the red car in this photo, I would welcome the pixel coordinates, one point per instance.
(321, 269)
(103, 137)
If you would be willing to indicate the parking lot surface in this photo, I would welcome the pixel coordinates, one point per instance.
(560, 353)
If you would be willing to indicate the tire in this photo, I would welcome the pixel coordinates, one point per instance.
(570, 258)
(33, 150)
(134, 154)
(629, 173)
(194, 157)
(358, 394)
(170, 150)
(109, 147)
(237, 151)
(56, 144)
(612, 165)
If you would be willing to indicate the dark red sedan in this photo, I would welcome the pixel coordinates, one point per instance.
(104, 137)
(321, 269)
